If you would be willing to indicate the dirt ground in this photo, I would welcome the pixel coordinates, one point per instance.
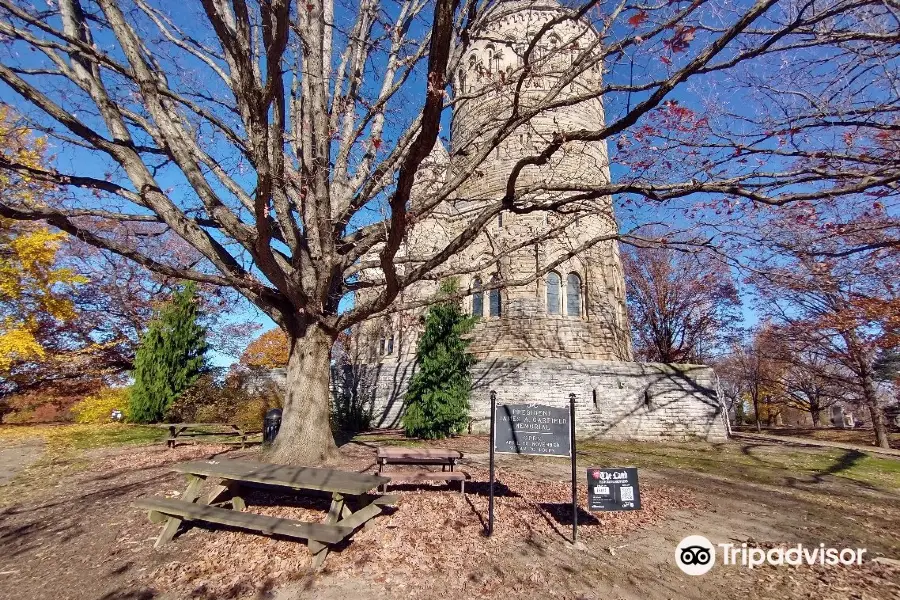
(15, 458)
(67, 530)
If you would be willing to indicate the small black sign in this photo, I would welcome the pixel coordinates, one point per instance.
(613, 489)
(532, 429)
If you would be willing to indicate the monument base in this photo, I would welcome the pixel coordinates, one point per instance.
(615, 400)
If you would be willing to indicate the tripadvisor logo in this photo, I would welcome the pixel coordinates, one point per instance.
(695, 555)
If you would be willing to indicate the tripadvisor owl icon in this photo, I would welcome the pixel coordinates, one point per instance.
(695, 555)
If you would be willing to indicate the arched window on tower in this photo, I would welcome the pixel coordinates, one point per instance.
(573, 295)
(495, 308)
(552, 293)
(477, 298)
(490, 58)
(462, 81)
(498, 58)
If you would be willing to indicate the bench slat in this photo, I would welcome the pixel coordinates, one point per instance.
(385, 500)
(329, 534)
(360, 517)
(429, 476)
(400, 453)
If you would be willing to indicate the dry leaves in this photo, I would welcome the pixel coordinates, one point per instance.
(433, 529)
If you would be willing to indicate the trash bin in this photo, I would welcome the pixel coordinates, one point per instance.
(271, 424)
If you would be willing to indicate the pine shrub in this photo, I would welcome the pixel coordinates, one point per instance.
(437, 401)
(171, 357)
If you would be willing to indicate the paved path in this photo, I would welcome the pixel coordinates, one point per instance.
(787, 439)
(16, 458)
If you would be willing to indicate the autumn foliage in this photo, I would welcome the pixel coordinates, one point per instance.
(683, 305)
(268, 351)
(33, 286)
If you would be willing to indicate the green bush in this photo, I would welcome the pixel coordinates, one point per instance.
(438, 396)
(98, 407)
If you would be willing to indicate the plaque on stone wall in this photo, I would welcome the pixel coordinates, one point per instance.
(532, 429)
(613, 489)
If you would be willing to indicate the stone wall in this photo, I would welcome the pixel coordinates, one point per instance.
(614, 400)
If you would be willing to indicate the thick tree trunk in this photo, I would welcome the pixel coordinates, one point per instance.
(305, 436)
(870, 398)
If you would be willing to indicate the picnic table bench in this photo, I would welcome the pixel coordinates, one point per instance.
(422, 456)
(184, 430)
(352, 504)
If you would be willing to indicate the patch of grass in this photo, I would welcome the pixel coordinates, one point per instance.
(758, 462)
(80, 437)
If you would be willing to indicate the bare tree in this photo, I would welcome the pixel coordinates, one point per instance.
(809, 381)
(281, 140)
(753, 371)
(682, 305)
(843, 309)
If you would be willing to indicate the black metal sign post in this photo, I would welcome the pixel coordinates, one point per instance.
(493, 436)
(574, 468)
(534, 429)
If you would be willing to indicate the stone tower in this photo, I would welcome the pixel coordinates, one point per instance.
(576, 310)
(555, 325)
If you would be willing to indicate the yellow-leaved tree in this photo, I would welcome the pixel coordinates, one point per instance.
(268, 351)
(32, 286)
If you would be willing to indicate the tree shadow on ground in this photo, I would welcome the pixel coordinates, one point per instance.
(558, 516)
(144, 594)
(846, 461)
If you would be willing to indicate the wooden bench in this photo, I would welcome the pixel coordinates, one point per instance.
(188, 511)
(417, 456)
(428, 476)
(422, 456)
(352, 504)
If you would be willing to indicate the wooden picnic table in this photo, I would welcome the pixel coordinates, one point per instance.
(183, 430)
(352, 503)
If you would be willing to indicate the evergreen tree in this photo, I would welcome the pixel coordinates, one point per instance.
(171, 356)
(438, 396)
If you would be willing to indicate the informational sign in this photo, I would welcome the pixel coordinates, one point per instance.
(533, 429)
(613, 489)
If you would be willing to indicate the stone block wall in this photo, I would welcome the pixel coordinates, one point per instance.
(617, 400)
